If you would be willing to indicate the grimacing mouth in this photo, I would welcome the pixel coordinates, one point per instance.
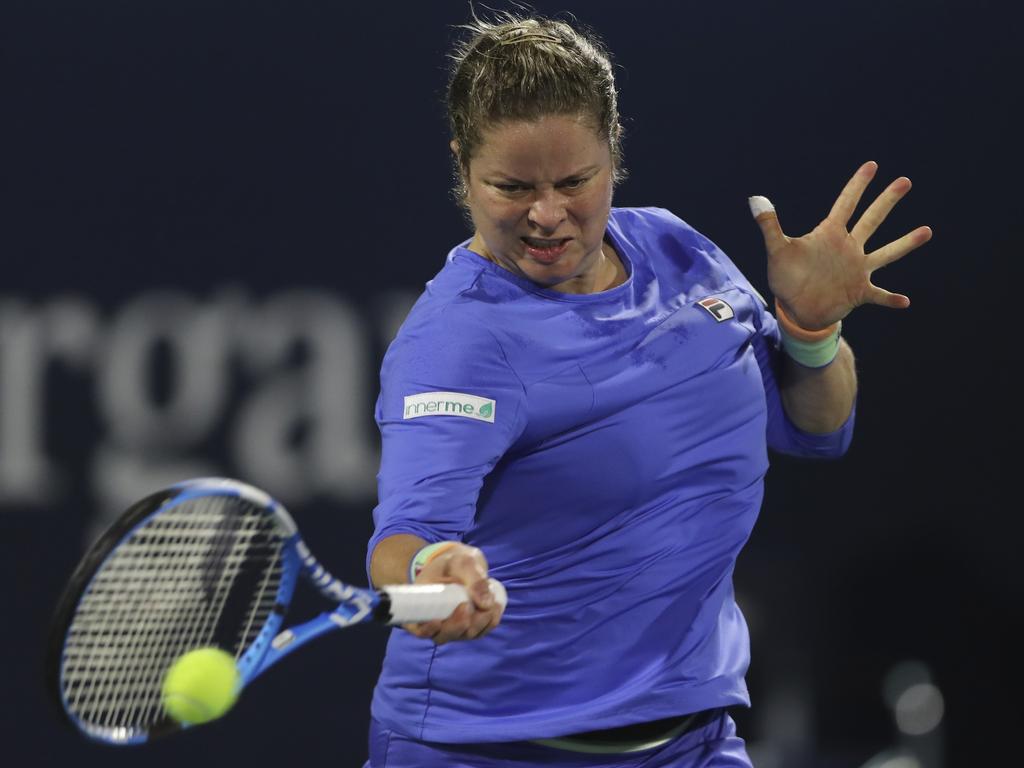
(543, 242)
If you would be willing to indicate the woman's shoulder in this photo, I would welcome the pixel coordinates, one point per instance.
(658, 231)
(663, 236)
(653, 230)
(446, 326)
(650, 220)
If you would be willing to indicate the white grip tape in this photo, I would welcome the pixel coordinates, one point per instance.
(412, 603)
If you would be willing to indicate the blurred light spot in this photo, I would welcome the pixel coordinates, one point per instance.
(901, 762)
(901, 677)
(892, 759)
(919, 709)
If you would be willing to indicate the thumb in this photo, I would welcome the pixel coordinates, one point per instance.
(482, 595)
(469, 568)
(768, 221)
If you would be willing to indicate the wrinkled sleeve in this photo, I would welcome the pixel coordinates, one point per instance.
(433, 466)
(783, 435)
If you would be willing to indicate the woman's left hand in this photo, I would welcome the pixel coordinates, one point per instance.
(820, 277)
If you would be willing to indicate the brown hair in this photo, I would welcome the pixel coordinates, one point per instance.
(525, 69)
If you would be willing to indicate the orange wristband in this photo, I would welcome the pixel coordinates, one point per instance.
(798, 333)
(811, 349)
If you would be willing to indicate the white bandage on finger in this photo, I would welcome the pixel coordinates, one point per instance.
(759, 205)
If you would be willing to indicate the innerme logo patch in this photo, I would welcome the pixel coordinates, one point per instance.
(448, 404)
(717, 308)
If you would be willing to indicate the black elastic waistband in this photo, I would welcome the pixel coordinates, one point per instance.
(649, 731)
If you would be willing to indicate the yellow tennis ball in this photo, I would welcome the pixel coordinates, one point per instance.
(200, 686)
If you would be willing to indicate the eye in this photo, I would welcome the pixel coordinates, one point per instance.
(574, 183)
(510, 189)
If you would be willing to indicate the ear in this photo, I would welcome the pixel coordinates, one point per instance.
(614, 144)
(463, 171)
(454, 146)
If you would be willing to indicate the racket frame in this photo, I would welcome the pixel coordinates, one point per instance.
(353, 605)
(270, 644)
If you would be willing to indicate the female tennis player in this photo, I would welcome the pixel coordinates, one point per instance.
(581, 404)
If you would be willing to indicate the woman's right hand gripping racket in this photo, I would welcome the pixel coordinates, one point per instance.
(207, 562)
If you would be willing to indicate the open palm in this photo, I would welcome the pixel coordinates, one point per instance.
(820, 277)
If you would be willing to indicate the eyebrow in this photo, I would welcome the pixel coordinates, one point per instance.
(576, 175)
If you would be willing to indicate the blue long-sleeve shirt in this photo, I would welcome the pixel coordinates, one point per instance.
(607, 453)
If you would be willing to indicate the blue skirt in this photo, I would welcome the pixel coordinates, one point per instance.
(714, 745)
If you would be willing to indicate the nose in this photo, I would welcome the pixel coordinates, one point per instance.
(547, 210)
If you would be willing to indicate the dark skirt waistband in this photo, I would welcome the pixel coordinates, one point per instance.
(650, 730)
(634, 737)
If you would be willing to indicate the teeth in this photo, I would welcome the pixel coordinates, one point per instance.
(535, 242)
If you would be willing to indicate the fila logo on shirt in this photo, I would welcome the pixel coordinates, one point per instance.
(448, 404)
(717, 308)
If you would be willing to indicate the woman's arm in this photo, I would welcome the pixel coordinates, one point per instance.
(819, 400)
(817, 280)
(457, 564)
(389, 563)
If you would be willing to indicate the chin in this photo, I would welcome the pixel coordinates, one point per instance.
(549, 274)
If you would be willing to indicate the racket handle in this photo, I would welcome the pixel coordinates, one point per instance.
(413, 603)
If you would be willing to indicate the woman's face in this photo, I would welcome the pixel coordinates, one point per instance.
(540, 194)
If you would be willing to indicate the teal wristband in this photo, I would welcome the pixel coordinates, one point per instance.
(424, 555)
(812, 354)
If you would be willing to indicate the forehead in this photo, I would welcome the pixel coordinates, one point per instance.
(553, 144)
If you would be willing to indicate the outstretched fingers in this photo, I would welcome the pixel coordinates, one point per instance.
(897, 249)
(885, 298)
(877, 212)
(847, 201)
(887, 254)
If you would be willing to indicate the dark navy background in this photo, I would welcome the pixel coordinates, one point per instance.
(261, 148)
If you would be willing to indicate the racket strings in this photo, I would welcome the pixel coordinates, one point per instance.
(262, 604)
(204, 572)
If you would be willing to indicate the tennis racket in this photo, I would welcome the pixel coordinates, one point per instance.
(206, 562)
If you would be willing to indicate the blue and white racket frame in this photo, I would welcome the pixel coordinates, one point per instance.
(394, 604)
